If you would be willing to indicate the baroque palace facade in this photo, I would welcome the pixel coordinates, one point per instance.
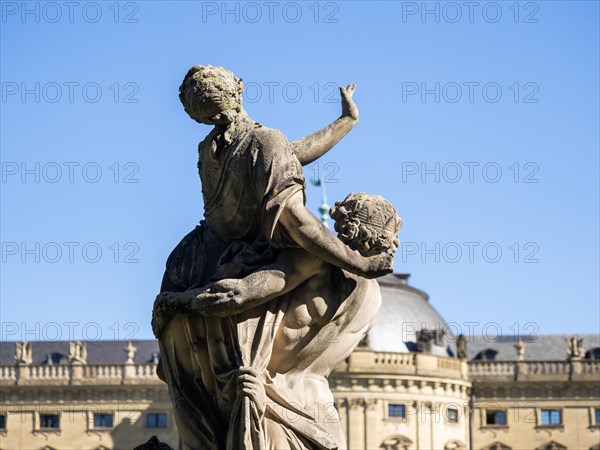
(410, 385)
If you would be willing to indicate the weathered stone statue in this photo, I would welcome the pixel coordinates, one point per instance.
(575, 348)
(77, 352)
(461, 347)
(520, 348)
(23, 354)
(261, 302)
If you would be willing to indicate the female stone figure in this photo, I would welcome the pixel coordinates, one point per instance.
(246, 380)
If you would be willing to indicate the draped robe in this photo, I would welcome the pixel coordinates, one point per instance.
(248, 174)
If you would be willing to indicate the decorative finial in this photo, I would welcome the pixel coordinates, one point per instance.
(324, 208)
(575, 348)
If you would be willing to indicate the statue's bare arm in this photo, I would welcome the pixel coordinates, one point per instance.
(293, 267)
(232, 296)
(314, 237)
(317, 144)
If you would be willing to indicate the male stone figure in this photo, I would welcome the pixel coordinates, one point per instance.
(575, 348)
(254, 377)
(23, 354)
(77, 352)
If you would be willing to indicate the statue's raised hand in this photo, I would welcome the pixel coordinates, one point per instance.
(349, 108)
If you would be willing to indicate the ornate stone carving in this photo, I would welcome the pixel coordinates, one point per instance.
(497, 446)
(367, 223)
(454, 445)
(23, 355)
(77, 352)
(356, 403)
(371, 404)
(426, 339)
(552, 445)
(396, 443)
(130, 350)
(253, 298)
(520, 347)
(575, 348)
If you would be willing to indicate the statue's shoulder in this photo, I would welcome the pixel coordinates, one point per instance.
(268, 136)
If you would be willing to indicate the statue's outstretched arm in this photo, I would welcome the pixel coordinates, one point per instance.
(314, 146)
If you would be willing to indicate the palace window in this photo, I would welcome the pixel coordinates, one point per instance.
(596, 416)
(3, 421)
(495, 417)
(103, 420)
(486, 355)
(593, 353)
(56, 358)
(156, 420)
(452, 415)
(49, 421)
(396, 410)
(551, 417)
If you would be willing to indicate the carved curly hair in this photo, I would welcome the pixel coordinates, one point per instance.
(367, 223)
(207, 91)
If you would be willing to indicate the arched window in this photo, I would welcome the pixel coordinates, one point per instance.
(486, 355)
(593, 353)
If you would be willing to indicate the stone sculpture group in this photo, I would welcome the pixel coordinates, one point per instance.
(261, 301)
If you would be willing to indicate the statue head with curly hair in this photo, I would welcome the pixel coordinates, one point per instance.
(211, 95)
(367, 223)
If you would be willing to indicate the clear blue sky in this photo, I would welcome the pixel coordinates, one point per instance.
(517, 91)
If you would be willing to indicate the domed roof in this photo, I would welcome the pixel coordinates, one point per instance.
(404, 311)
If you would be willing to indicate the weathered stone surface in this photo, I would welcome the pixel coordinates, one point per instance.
(261, 302)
